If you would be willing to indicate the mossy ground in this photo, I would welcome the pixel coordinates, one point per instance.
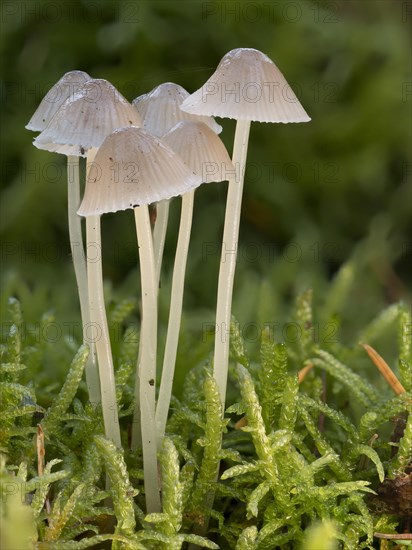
(291, 452)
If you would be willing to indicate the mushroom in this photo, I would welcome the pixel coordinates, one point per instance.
(82, 122)
(204, 153)
(133, 169)
(77, 128)
(50, 104)
(160, 110)
(246, 86)
(54, 99)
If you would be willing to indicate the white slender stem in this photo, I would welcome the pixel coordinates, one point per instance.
(175, 315)
(228, 258)
(145, 389)
(226, 278)
(159, 235)
(80, 271)
(101, 331)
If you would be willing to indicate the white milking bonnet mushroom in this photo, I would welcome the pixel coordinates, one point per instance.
(204, 153)
(159, 111)
(78, 128)
(50, 104)
(63, 89)
(54, 99)
(133, 169)
(246, 86)
(91, 113)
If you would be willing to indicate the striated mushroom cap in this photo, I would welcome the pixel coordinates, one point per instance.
(133, 168)
(160, 109)
(93, 112)
(55, 97)
(201, 149)
(247, 85)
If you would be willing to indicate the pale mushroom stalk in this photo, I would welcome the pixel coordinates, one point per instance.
(228, 258)
(79, 264)
(204, 153)
(175, 314)
(101, 334)
(159, 235)
(98, 322)
(145, 390)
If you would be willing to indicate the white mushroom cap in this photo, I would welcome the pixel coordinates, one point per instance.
(247, 85)
(55, 97)
(133, 168)
(160, 109)
(201, 149)
(86, 118)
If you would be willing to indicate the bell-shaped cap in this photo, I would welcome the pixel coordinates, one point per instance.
(160, 109)
(247, 85)
(133, 168)
(55, 97)
(87, 118)
(201, 149)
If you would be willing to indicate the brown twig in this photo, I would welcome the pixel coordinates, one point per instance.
(40, 450)
(384, 369)
(303, 372)
(241, 423)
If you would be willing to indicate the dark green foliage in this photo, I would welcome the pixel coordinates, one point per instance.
(272, 376)
(120, 487)
(60, 405)
(203, 490)
(17, 401)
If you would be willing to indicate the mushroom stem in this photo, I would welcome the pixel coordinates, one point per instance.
(228, 258)
(80, 271)
(159, 235)
(175, 315)
(101, 338)
(145, 389)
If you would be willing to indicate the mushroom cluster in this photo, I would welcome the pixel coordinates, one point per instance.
(162, 145)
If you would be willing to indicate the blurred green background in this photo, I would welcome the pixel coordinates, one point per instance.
(316, 195)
